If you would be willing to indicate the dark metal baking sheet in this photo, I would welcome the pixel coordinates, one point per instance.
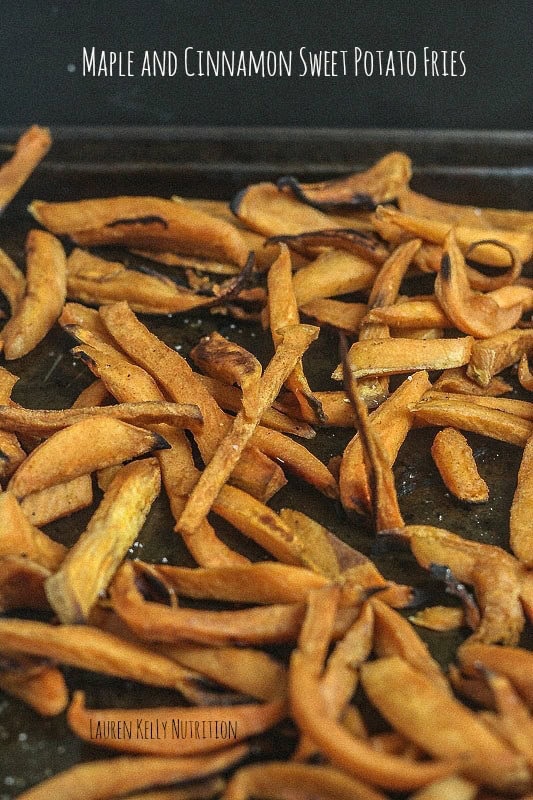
(474, 167)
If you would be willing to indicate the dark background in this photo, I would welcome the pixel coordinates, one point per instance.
(39, 39)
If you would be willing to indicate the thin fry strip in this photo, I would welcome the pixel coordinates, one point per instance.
(88, 648)
(45, 422)
(91, 444)
(520, 525)
(459, 733)
(91, 562)
(456, 381)
(439, 618)
(296, 340)
(58, 501)
(103, 780)
(278, 778)
(44, 298)
(12, 281)
(336, 313)
(220, 726)
(332, 273)
(30, 149)
(256, 473)
(411, 313)
(518, 408)
(40, 686)
(455, 462)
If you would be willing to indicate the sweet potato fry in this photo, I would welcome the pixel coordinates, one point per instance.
(58, 501)
(439, 618)
(87, 319)
(383, 182)
(46, 422)
(22, 583)
(397, 356)
(512, 662)
(520, 524)
(256, 473)
(457, 381)
(525, 376)
(88, 648)
(392, 420)
(90, 564)
(18, 537)
(40, 686)
(455, 462)
(104, 780)
(286, 779)
(30, 149)
(518, 408)
(459, 734)
(91, 444)
(436, 231)
(471, 416)
(317, 544)
(175, 726)
(513, 721)
(149, 223)
(498, 352)
(336, 313)
(11, 454)
(332, 273)
(422, 312)
(361, 241)
(12, 282)
(296, 340)
(45, 294)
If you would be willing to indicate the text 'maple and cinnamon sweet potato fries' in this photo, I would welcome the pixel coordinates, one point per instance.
(287, 666)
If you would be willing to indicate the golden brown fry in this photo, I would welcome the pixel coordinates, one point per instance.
(456, 381)
(18, 537)
(366, 575)
(22, 583)
(283, 311)
(361, 241)
(336, 313)
(473, 688)
(436, 231)
(30, 149)
(12, 281)
(439, 618)
(90, 564)
(91, 444)
(455, 462)
(498, 352)
(332, 273)
(38, 685)
(175, 726)
(46, 422)
(277, 778)
(87, 319)
(88, 648)
(520, 523)
(315, 542)
(514, 722)
(525, 376)
(149, 223)
(58, 501)
(514, 662)
(256, 473)
(103, 780)
(518, 408)
(392, 421)
(471, 416)
(397, 356)
(95, 394)
(458, 734)
(44, 297)
(170, 259)
(296, 340)
(423, 312)
(495, 575)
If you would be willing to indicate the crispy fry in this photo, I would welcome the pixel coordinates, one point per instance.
(58, 501)
(513, 662)
(256, 473)
(456, 381)
(22, 583)
(386, 357)
(45, 294)
(316, 542)
(12, 281)
(38, 685)
(455, 461)
(95, 394)
(437, 231)
(458, 735)
(332, 273)
(518, 408)
(30, 149)
(90, 564)
(439, 618)
(498, 352)
(337, 313)
(45, 422)
(359, 241)
(149, 223)
(103, 780)
(423, 312)
(296, 340)
(91, 444)
(520, 525)
(392, 420)
(88, 648)
(87, 319)
(276, 778)
(220, 726)
(18, 537)
(525, 376)
(471, 416)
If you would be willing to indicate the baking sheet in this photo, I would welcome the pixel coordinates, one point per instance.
(479, 168)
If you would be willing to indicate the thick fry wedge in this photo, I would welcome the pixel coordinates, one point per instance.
(18, 537)
(332, 273)
(149, 223)
(458, 735)
(103, 780)
(40, 686)
(498, 352)
(90, 564)
(91, 444)
(30, 149)
(455, 461)
(520, 524)
(170, 731)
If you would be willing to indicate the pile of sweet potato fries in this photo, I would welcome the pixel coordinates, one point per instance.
(217, 437)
